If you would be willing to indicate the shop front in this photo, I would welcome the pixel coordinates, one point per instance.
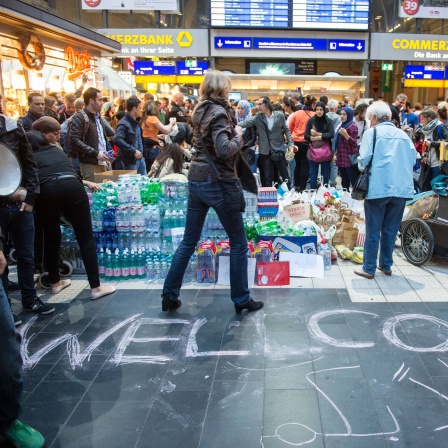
(43, 53)
(278, 63)
(163, 61)
(416, 64)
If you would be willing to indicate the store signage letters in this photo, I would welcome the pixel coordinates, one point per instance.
(403, 47)
(77, 62)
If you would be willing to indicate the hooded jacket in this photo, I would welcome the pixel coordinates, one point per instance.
(13, 136)
(214, 133)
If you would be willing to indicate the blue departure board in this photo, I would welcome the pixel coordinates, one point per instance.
(298, 14)
(154, 68)
(247, 13)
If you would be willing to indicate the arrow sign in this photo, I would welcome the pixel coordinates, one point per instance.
(357, 46)
(225, 43)
(424, 72)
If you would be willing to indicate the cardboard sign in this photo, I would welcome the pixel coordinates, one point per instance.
(298, 211)
(304, 265)
(275, 273)
(224, 271)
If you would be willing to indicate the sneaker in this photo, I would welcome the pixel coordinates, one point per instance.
(23, 436)
(17, 320)
(37, 306)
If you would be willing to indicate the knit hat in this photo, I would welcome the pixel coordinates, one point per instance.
(46, 125)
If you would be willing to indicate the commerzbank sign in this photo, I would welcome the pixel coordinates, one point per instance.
(409, 47)
(157, 42)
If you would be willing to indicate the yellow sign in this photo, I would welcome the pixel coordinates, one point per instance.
(420, 44)
(184, 39)
(434, 83)
(193, 79)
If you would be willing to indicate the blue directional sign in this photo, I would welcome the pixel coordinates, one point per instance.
(154, 68)
(225, 43)
(200, 69)
(288, 43)
(346, 45)
(424, 72)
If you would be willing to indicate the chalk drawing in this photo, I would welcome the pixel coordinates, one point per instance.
(76, 357)
(192, 346)
(441, 427)
(120, 358)
(404, 374)
(391, 335)
(227, 401)
(444, 363)
(276, 368)
(313, 326)
(168, 387)
(348, 428)
(398, 372)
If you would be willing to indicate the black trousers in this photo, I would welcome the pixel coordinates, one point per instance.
(268, 170)
(302, 171)
(66, 196)
(349, 175)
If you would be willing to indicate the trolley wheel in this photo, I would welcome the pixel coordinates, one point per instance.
(417, 241)
(65, 269)
(44, 280)
(13, 255)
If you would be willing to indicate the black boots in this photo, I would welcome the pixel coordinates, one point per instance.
(170, 305)
(250, 305)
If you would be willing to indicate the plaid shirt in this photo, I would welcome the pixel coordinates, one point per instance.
(346, 147)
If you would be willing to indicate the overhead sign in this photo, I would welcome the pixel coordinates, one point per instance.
(184, 69)
(154, 68)
(387, 67)
(290, 43)
(408, 47)
(130, 5)
(346, 45)
(233, 42)
(419, 9)
(310, 14)
(424, 72)
(158, 42)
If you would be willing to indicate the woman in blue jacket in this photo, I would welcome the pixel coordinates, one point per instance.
(390, 185)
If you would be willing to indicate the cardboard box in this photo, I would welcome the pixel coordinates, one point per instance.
(112, 175)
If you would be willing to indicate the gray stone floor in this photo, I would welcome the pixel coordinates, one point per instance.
(344, 365)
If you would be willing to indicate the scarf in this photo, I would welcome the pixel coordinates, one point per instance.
(350, 114)
(320, 123)
(429, 128)
(246, 108)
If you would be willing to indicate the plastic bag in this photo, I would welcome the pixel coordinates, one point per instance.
(424, 208)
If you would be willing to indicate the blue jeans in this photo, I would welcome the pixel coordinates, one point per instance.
(253, 167)
(20, 225)
(325, 171)
(333, 173)
(291, 169)
(383, 218)
(11, 379)
(139, 166)
(202, 196)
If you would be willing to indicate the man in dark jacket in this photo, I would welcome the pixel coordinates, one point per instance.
(11, 376)
(176, 109)
(36, 106)
(128, 138)
(88, 136)
(16, 215)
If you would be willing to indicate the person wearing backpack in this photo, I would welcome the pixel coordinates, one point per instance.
(88, 138)
(128, 139)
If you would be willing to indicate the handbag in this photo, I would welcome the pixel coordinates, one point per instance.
(321, 152)
(276, 155)
(361, 186)
(424, 178)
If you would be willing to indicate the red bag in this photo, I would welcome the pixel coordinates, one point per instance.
(275, 273)
(320, 151)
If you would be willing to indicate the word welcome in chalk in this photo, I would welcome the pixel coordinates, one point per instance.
(134, 323)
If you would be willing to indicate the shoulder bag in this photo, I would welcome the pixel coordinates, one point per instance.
(361, 187)
(354, 157)
(320, 150)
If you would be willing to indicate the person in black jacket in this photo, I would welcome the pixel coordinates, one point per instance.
(176, 109)
(16, 216)
(36, 107)
(128, 138)
(88, 136)
(62, 191)
(218, 143)
(11, 377)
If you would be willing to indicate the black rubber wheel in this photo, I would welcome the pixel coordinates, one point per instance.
(13, 255)
(417, 241)
(65, 269)
(44, 280)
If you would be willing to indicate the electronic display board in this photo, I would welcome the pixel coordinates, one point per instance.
(198, 68)
(154, 68)
(298, 14)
